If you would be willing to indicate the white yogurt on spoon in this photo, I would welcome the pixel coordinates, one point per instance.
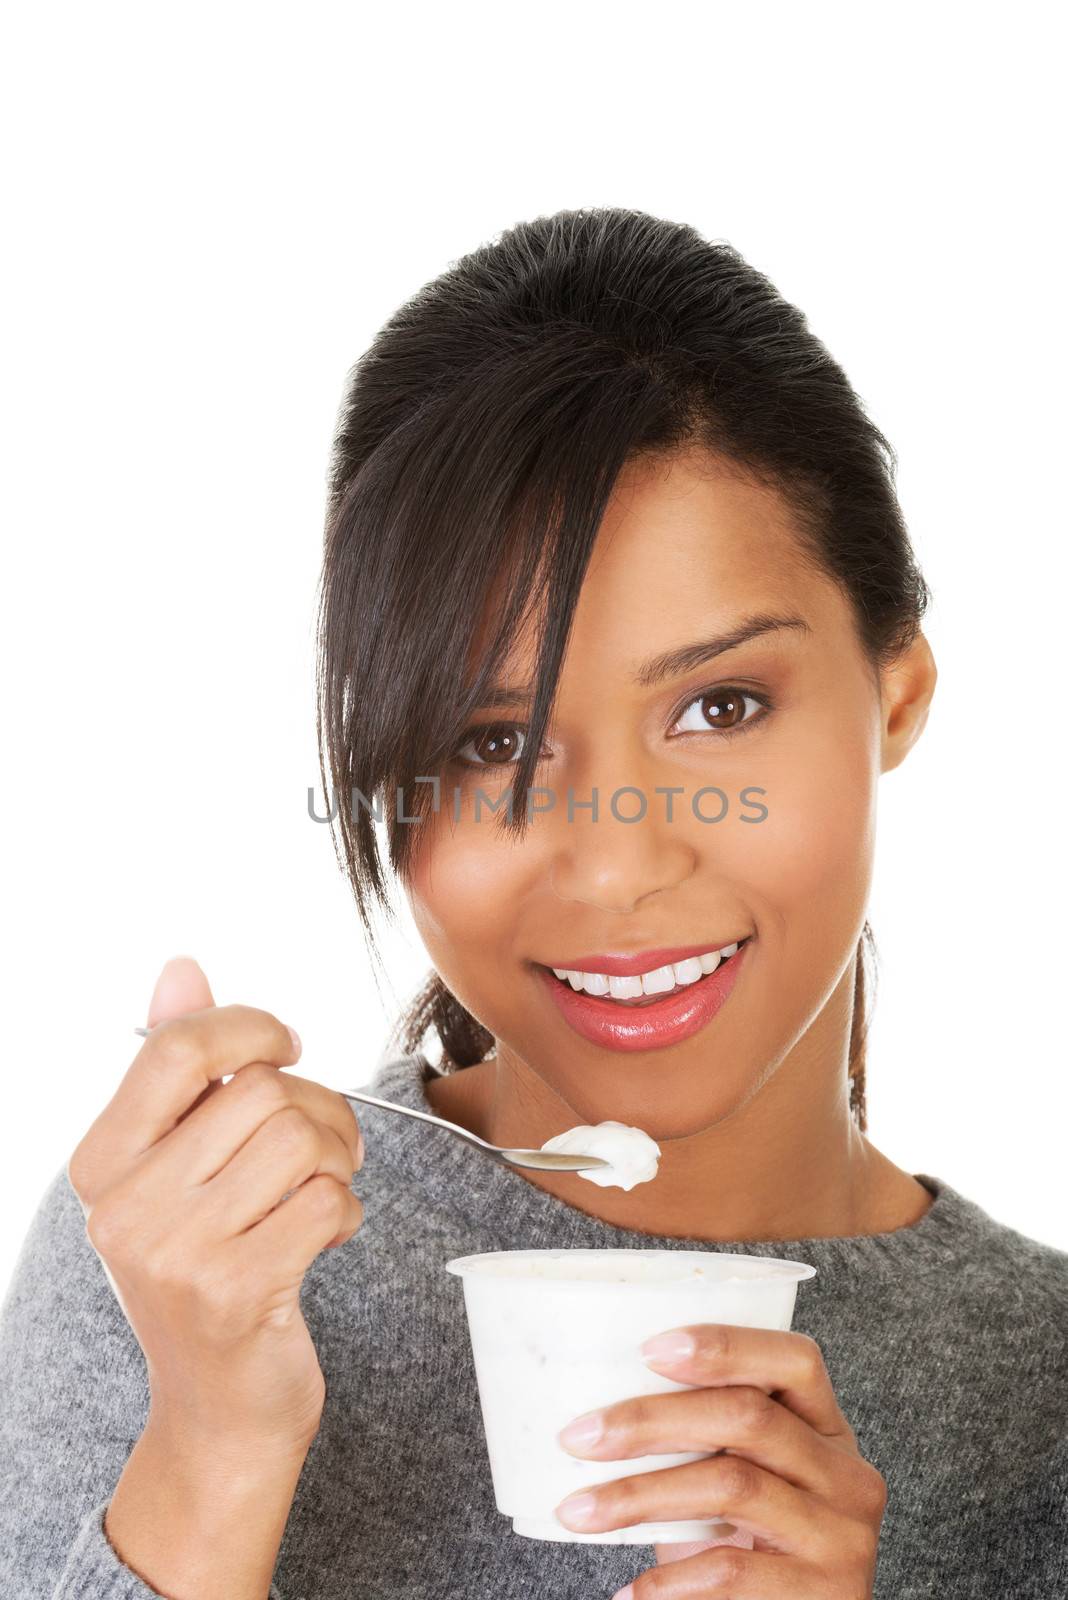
(632, 1154)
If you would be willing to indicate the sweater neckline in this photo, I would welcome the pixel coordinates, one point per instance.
(510, 1212)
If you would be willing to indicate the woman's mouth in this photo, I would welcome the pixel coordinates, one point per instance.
(648, 1010)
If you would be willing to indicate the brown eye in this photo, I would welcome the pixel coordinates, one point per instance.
(495, 745)
(722, 711)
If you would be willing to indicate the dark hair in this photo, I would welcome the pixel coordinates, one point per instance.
(477, 445)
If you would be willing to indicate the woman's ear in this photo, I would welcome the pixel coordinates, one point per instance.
(908, 685)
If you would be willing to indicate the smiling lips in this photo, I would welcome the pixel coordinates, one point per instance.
(632, 980)
(646, 1017)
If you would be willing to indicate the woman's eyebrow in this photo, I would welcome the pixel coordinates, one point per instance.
(670, 663)
(673, 662)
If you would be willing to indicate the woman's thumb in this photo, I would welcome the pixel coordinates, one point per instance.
(180, 987)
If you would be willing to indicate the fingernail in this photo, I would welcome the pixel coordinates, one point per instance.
(624, 1594)
(675, 1346)
(295, 1036)
(583, 1431)
(576, 1508)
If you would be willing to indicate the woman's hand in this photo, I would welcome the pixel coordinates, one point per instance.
(789, 1473)
(183, 1182)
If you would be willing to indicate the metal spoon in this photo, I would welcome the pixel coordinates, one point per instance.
(539, 1160)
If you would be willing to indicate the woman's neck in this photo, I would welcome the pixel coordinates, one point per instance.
(788, 1164)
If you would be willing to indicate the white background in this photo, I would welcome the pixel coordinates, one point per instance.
(211, 209)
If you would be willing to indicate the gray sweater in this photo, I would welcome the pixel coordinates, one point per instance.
(946, 1342)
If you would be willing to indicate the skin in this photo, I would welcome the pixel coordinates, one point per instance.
(751, 1113)
(183, 1182)
(791, 1479)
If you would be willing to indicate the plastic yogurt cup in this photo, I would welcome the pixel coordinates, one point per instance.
(555, 1333)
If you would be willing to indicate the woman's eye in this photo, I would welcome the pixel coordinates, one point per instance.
(495, 745)
(722, 711)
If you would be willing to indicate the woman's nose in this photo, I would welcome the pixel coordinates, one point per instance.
(613, 863)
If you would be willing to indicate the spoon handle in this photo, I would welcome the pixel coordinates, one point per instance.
(538, 1160)
(391, 1105)
(422, 1116)
(535, 1160)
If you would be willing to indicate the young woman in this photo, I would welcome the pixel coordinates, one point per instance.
(609, 534)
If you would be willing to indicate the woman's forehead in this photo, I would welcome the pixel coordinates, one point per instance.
(679, 554)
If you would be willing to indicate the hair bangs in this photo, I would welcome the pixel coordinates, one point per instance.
(474, 517)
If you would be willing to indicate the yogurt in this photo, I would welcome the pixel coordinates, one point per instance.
(556, 1332)
(633, 1155)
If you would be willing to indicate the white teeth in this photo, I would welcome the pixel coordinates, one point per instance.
(660, 981)
(624, 988)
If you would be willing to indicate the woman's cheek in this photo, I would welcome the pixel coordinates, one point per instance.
(464, 891)
(811, 858)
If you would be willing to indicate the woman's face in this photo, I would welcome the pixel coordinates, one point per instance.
(687, 552)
